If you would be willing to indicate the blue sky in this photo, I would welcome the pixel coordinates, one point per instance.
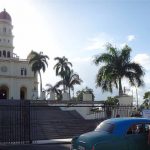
(79, 29)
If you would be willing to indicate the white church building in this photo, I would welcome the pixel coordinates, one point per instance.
(17, 81)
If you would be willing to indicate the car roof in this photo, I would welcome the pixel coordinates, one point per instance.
(122, 124)
(127, 120)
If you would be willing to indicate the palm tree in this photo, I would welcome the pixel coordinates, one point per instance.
(70, 80)
(55, 89)
(117, 65)
(62, 68)
(38, 62)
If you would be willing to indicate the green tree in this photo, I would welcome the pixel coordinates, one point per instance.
(38, 62)
(71, 79)
(146, 103)
(116, 65)
(110, 104)
(79, 95)
(147, 95)
(86, 90)
(112, 101)
(62, 68)
(55, 89)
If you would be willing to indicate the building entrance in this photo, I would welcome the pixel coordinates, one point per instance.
(23, 93)
(3, 92)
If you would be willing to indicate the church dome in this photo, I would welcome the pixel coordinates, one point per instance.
(5, 15)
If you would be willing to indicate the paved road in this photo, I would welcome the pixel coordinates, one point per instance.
(37, 147)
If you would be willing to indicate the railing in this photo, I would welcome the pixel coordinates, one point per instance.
(27, 121)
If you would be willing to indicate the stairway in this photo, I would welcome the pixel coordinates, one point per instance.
(52, 122)
(22, 122)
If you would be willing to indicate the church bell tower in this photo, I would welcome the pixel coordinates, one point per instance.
(6, 37)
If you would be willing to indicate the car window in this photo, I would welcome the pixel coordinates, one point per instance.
(136, 129)
(147, 127)
(108, 127)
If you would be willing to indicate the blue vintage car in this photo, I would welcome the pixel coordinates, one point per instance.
(115, 134)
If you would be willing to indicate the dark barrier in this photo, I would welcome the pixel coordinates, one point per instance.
(24, 122)
(14, 121)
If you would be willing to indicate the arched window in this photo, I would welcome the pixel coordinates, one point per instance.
(4, 53)
(8, 54)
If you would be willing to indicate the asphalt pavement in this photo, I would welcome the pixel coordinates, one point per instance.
(36, 147)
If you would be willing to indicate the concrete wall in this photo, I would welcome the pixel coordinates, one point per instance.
(66, 96)
(125, 100)
(87, 97)
(83, 111)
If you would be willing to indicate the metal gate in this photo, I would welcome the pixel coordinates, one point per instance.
(24, 122)
(15, 121)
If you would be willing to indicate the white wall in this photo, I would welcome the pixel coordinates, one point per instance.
(87, 97)
(125, 100)
(14, 80)
(83, 111)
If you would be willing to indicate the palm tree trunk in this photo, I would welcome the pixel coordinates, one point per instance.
(120, 87)
(64, 84)
(73, 92)
(40, 82)
(69, 94)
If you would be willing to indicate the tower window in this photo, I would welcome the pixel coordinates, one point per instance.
(4, 53)
(9, 30)
(4, 30)
(8, 41)
(0, 53)
(8, 54)
(23, 71)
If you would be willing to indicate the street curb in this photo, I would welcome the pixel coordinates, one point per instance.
(53, 141)
(41, 142)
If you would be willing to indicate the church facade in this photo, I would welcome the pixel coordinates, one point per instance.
(17, 81)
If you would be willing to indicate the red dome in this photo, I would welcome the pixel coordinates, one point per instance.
(5, 15)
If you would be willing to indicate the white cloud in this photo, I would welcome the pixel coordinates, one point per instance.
(122, 45)
(130, 38)
(81, 59)
(99, 42)
(143, 59)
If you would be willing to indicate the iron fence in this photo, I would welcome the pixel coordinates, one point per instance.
(23, 122)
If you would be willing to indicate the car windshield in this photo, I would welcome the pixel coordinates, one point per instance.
(107, 127)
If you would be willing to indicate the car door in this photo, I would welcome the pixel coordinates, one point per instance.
(140, 141)
(131, 143)
(147, 133)
(137, 138)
